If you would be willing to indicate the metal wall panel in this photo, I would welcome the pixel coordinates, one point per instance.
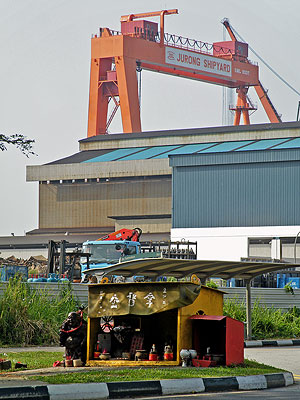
(80, 291)
(235, 157)
(269, 297)
(90, 204)
(157, 225)
(252, 193)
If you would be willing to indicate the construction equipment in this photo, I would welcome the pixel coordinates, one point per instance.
(96, 255)
(124, 234)
(123, 245)
(65, 263)
(109, 249)
(117, 56)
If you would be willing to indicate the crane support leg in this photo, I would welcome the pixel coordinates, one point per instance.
(98, 104)
(242, 106)
(128, 94)
(237, 117)
(246, 117)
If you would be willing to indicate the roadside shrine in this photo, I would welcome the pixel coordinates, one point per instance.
(130, 323)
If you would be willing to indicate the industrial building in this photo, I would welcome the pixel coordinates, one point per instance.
(238, 182)
(240, 199)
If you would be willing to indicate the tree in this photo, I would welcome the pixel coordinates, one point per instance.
(24, 144)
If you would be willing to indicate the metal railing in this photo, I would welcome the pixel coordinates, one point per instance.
(184, 43)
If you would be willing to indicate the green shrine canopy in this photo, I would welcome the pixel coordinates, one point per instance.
(178, 268)
(139, 298)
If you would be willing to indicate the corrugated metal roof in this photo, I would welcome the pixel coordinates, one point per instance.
(156, 267)
(164, 151)
(193, 131)
(153, 152)
(158, 152)
(80, 157)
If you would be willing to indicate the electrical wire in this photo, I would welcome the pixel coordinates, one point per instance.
(265, 63)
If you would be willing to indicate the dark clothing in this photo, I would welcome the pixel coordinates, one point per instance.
(73, 335)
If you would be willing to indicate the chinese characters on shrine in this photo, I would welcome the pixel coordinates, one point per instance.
(164, 296)
(114, 301)
(131, 299)
(150, 297)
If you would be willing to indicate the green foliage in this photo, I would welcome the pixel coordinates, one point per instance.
(30, 316)
(33, 272)
(288, 288)
(211, 284)
(24, 144)
(234, 309)
(267, 323)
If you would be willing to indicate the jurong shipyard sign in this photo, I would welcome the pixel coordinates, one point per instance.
(198, 61)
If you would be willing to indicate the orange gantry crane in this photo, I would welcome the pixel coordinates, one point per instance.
(116, 56)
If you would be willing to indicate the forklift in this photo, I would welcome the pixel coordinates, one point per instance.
(66, 264)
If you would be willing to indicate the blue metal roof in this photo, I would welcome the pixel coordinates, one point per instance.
(158, 152)
(187, 149)
(115, 154)
(151, 152)
(227, 146)
(263, 144)
(289, 144)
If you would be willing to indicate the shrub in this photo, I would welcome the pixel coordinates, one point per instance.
(267, 323)
(32, 316)
(211, 284)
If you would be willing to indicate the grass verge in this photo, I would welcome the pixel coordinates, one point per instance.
(157, 373)
(42, 359)
(33, 359)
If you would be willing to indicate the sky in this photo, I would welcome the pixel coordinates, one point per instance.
(45, 67)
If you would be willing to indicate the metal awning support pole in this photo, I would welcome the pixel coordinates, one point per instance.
(248, 309)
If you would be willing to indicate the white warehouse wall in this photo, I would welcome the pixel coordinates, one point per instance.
(230, 244)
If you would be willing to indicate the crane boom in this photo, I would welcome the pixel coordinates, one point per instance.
(227, 25)
(267, 104)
